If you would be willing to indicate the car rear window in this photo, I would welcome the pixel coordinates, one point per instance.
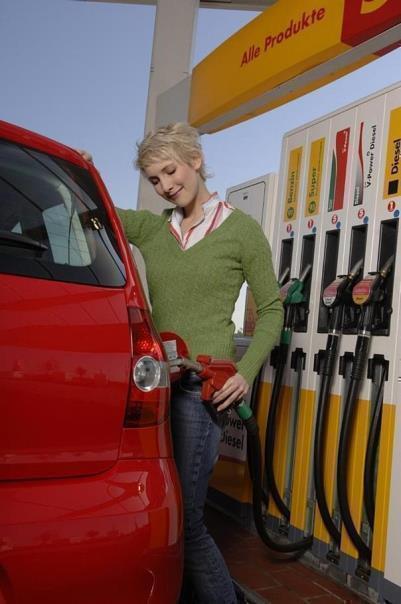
(52, 221)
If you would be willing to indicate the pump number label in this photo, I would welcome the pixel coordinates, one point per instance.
(362, 291)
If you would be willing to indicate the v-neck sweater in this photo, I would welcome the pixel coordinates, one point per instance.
(193, 292)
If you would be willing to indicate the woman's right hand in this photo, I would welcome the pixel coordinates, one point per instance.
(85, 154)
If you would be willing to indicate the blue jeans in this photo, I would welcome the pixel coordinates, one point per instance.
(196, 430)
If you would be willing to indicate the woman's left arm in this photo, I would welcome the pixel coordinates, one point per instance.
(261, 279)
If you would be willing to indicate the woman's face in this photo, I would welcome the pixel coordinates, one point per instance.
(177, 182)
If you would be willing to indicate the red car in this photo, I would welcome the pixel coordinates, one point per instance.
(90, 508)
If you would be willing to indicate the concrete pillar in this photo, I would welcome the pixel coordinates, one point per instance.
(175, 25)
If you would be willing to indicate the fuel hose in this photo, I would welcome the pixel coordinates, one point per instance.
(271, 427)
(358, 367)
(371, 451)
(292, 296)
(289, 550)
(335, 297)
(320, 436)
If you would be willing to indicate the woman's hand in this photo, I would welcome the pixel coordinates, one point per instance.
(85, 154)
(235, 388)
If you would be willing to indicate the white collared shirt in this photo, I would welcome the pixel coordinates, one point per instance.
(215, 212)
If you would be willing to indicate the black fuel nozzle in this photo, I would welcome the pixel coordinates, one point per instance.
(338, 294)
(387, 266)
(369, 293)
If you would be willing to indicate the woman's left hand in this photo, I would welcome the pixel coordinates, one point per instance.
(235, 388)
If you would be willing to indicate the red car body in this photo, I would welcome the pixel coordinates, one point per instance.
(90, 508)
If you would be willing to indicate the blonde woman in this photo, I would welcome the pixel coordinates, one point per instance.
(197, 256)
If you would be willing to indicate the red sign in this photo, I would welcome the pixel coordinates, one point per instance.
(341, 158)
(364, 19)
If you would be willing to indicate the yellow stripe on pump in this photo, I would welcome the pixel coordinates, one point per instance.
(383, 487)
(302, 458)
(330, 460)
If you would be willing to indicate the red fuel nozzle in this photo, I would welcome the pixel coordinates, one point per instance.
(214, 373)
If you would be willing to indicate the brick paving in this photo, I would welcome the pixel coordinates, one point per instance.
(267, 580)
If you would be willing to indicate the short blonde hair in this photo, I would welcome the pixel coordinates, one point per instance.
(178, 141)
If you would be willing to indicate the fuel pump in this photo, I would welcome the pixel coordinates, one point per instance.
(292, 296)
(336, 297)
(369, 294)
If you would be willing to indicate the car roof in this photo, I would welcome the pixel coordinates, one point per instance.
(25, 137)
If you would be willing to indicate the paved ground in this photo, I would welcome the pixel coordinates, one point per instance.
(266, 580)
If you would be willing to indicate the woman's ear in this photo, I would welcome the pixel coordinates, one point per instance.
(197, 163)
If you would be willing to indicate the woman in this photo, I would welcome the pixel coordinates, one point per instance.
(197, 257)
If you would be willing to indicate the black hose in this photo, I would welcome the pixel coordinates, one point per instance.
(255, 460)
(361, 354)
(371, 452)
(271, 432)
(320, 433)
(253, 404)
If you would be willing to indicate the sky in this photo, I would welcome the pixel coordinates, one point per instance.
(78, 72)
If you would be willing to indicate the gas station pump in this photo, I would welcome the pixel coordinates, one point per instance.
(369, 294)
(346, 167)
(332, 445)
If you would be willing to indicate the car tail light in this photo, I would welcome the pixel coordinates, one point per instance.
(150, 385)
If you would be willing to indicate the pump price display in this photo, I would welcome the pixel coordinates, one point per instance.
(363, 290)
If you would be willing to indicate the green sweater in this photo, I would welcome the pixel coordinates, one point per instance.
(193, 292)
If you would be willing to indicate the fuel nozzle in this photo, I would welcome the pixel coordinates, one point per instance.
(369, 293)
(386, 268)
(292, 291)
(292, 296)
(338, 294)
(213, 372)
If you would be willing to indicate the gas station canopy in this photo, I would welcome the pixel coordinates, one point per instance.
(255, 5)
(287, 51)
